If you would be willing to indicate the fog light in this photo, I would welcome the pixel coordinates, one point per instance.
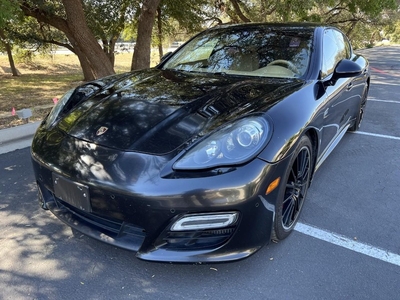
(205, 221)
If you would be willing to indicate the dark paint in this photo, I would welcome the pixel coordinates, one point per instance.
(157, 111)
(152, 116)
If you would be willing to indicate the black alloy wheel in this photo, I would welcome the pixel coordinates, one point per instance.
(293, 192)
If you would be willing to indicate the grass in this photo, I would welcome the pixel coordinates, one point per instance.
(42, 80)
(32, 90)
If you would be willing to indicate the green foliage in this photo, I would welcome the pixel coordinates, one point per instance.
(189, 15)
(180, 19)
(106, 18)
(362, 20)
(371, 8)
(23, 56)
(392, 31)
(25, 32)
(8, 11)
(30, 34)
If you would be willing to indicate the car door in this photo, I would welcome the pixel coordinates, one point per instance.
(338, 99)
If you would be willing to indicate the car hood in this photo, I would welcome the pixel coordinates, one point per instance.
(159, 111)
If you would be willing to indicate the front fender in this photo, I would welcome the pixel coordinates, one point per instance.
(291, 119)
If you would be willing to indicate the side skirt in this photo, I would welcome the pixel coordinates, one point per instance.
(332, 146)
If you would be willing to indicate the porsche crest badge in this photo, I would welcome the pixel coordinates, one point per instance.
(101, 130)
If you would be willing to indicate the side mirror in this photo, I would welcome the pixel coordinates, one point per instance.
(347, 68)
(344, 69)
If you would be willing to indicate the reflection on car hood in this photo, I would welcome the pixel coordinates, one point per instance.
(158, 111)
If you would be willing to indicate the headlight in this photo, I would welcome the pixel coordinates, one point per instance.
(233, 144)
(58, 107)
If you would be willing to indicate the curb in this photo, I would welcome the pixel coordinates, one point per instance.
(17, 137)
(34, 109)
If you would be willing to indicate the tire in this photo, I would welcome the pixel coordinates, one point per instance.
(293, 190)
(361, 111)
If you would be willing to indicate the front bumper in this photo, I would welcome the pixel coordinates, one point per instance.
(137, 213)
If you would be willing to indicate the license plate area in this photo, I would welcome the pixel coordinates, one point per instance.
(73, 193)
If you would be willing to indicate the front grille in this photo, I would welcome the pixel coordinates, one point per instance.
(112, 227)
(193, 240)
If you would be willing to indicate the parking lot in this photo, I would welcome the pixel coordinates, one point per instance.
(361, 202)
(346, 245)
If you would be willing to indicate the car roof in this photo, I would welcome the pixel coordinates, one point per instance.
(289, 25)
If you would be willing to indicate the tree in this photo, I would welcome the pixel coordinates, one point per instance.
(7, 13)
(392, 30)
(354, 17)
(360, 20)
(181, 18)
(8, 48)
(35, 36)
(107, 21)
(72, 22)
(142, 50)
(175, 18)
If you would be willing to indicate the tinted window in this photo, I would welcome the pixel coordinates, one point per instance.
(252, 51)
(347, 46)
(335, 48)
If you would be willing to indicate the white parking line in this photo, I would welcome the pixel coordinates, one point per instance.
(378, 135)
(386, 101)
(347, 243)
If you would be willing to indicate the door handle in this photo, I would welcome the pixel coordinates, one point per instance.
(349, 86)
(326, 113)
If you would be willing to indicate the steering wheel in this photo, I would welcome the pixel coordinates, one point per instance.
(285, 63)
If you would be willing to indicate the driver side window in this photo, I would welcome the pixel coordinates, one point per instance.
(333, 50)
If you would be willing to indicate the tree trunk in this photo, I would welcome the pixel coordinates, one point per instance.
(88, 75)
(87, 70)
(142, 51)
(14, 70)
(159, 33)
(101, 65)
(113, 41)
(7, 46)
(109, 49)
(94, 61)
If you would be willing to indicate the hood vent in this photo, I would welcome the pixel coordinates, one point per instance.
(209, 111)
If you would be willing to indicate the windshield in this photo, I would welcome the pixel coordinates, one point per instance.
(252, 51)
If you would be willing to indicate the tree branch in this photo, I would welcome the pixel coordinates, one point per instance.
(45, 17)
(239, 12)
(218, 20)
(68, 46)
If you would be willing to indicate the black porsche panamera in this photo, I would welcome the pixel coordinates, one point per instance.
(209, 155)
